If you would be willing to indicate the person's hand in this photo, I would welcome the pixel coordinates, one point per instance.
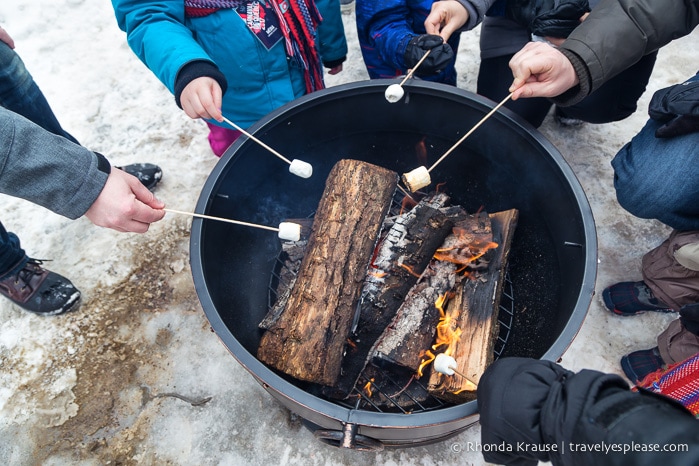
(540, 70)
(201, 98)
(440, 54)
(5, 37)
(125, 205)
(445, 17)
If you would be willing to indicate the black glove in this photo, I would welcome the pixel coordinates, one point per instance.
(440, 56)
(678, 107)
(554, 18)
(689, 316)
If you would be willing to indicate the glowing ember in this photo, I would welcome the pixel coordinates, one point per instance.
(377, 273)
(464, 252)
(410, 270)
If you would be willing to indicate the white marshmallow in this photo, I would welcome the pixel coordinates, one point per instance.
(444, 364)
(416, 179)
(394, 93)
(301, 168)
(289, 231)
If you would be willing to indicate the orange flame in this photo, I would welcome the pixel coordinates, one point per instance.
(446, 335)
(425, 362)
(367, 387)
(377, 273)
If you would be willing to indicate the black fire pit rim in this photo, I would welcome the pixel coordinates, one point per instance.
(268, 378)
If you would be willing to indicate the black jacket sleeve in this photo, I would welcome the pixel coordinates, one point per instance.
(532, 410)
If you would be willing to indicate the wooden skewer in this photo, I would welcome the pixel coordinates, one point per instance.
(462, 375)
(469, 133)
(209, 217)
(257, 140)
(412, 71)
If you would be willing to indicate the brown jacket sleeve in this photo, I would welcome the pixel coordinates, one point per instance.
(617, 33)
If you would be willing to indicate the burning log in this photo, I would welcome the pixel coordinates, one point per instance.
(402, 256)
(412, 331)
(307, 340)
(472, 318)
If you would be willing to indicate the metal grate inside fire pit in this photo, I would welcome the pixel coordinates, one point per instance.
(391, 390)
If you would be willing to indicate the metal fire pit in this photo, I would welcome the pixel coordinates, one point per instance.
(505, 164)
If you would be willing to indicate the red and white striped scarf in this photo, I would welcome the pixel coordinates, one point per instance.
(298, 25)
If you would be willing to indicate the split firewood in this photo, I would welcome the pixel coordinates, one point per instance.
(412, 331)
(401, 257)
(307, 341)
(472, 315)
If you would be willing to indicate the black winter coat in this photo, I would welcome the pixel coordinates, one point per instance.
(532, 410)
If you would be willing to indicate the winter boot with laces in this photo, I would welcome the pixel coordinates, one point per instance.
(40, 291)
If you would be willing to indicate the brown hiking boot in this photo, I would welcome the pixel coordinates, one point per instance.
(40, 291)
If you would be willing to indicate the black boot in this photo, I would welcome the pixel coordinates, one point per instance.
(40, 291)
(147, 173)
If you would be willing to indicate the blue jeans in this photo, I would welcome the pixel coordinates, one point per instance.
(20, 94)
(659, 178)
(12, 256)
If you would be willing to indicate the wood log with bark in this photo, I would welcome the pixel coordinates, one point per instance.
(472, 313)
(307, 340)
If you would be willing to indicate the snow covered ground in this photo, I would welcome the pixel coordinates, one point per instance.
(126, 379)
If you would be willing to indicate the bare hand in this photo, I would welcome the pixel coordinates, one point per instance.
(445, 17)
(5, 37)
(540, 70)
(201, 98)
(125, 205)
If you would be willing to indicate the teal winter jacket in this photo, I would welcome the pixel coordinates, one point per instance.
(258, 80)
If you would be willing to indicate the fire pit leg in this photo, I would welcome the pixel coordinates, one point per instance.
(348, 438)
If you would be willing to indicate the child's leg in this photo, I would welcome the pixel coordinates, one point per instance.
(220, 138)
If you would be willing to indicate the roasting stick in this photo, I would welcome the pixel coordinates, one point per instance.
(446, 365)
(297, 167)
(395, 92)
(287, 230)
(420, 177)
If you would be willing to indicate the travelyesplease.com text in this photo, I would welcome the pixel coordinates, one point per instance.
(565, 447)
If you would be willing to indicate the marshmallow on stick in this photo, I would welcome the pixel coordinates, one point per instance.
(395, 92)
(301, 168)
(296, 167)
(445, 364)
(416, 179)
(288, 231)
(420, 177)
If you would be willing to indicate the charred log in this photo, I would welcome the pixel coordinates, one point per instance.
(402, 256)
(412, 330)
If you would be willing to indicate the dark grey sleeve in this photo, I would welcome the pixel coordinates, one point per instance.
(476, 12)
(47, 169)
